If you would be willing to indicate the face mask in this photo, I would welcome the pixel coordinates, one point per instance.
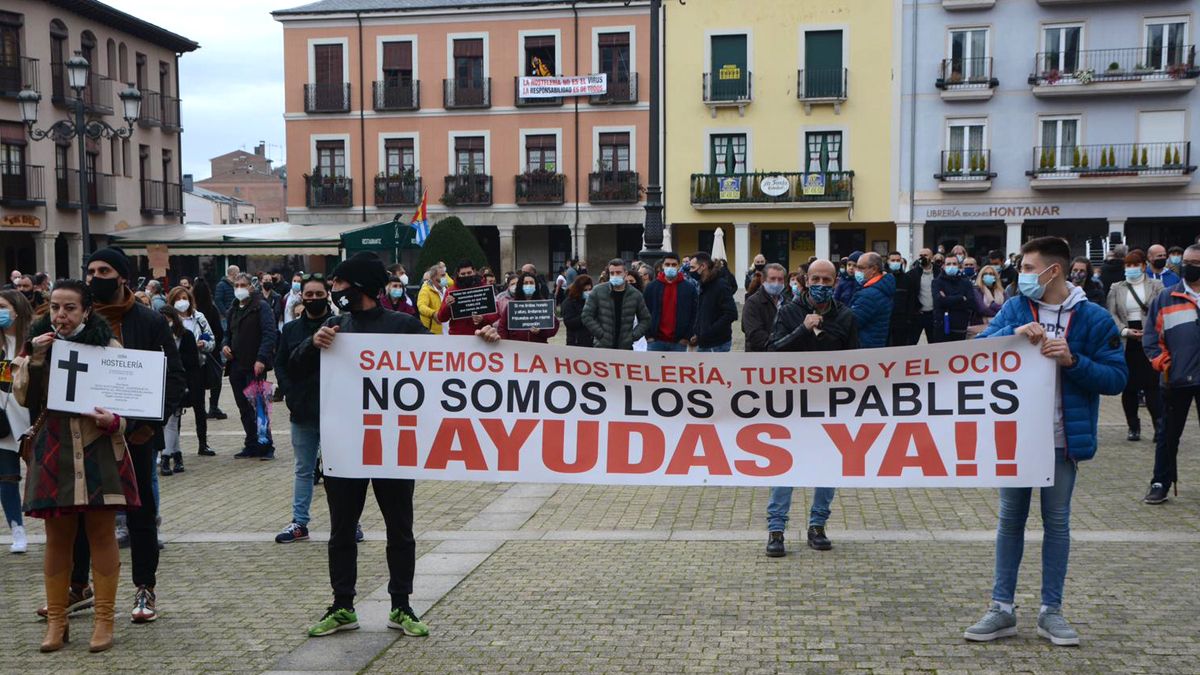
(181, 306)
(969, 271)
(73, 333)
(396, 293)
(1133, 273)
(795, 289)
(468, 281)
(1158, 264)
(349, 300)
(241, 293)
(860, 277)
(950, 270)
(989, 279)
(925, 262)
(774, 289)
(445, 282)
(1029, 283)
(6, 318)
(403, 279)
(617, 282)
(894, 266)
(316, 307)
(1078, 278)
(758, 267)
(104, 290)
(1191, 273)
(295, 286)
(959, 257)
(1175, 259)
(528, 289)
(820, 294)
(670, 272)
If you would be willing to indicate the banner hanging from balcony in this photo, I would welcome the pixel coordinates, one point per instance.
(554, 87)
(963, 414)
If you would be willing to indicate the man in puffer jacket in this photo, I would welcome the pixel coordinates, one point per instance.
(872, 303)
(615, 313)
(1083, 340)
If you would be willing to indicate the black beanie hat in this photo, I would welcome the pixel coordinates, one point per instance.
(364, 270)
(115, 257)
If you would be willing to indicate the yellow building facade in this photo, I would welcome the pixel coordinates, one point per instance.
(781, 127)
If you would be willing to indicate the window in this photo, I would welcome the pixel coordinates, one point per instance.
(727, 154)
(164, 78)
(10, 53)
(399, 156)
(398, 64)
(12, 160)
(1165, 42)
(613, 53)
(62, 178)
(167, 173)
(541, 153)
(968, 54)
(58, 58)
(468, 63)
(823, 64)
(125, 163)
(539, 56)
(1060, 45)
(1060, 136)
(824, 150)
(966, 141)
(468, 155)
(331, 158)
(140, 67)
(114, 156)
(729, 78)
(123, 57)
(327, 65)
(614, 152)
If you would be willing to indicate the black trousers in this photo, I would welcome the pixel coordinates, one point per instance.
(201, 416)
(214, 397)
(1141, 378)
(929, 327)
(1179, 401)
(238, 379)
(346, 498)
(142, 523)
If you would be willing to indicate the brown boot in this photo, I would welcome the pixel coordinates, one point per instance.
(106, 570)
(58, 631)
(106, 600)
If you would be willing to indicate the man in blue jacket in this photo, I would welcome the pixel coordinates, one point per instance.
(872, 303)
(672, 304)
(953, 300)
(1083, 340)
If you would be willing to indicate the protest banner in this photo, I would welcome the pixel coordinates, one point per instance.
(554, 87)
(471, 301)
(963, 414)
(528, 314)
(129, 382)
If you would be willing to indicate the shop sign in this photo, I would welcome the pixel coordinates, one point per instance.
(774, 186)
(21, 220)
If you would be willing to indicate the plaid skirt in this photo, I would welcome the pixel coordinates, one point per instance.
(75, 468)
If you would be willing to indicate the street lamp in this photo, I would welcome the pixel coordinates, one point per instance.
(66, 131)
(652, 229)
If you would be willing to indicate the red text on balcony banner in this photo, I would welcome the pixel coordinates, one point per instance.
(554, 87)
(964, 414)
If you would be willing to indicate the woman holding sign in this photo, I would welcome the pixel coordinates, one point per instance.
(77, 464)
(517, 319)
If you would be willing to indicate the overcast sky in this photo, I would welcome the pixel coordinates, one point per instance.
(232, 87)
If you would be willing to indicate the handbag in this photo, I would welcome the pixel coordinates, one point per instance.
(25, 442)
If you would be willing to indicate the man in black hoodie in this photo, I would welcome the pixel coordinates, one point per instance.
(715, 311)
(356, 285)
(249, 352)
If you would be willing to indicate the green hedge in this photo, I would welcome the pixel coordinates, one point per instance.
(450, 241)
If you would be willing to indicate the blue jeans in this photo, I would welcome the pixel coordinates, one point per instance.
(717, 348)
(10, 493)
(1056, 541)
(781, 503)
(306, 442)
(664, 346)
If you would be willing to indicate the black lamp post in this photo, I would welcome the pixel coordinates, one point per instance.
(80, 129)
(652, 230)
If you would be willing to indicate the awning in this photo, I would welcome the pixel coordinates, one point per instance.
(260, 239)
(385, 237)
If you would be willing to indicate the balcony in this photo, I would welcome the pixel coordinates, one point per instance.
(152, 197)
(17, 73)
(961, 5)
(792, 190)
(327, 97)
(816, 86)
(967, 79)
(391, 96)
(172, 199)
(170, 113)
(100, 190)
(533, 102)
(734, 91)
(620, 91)
(22, 185)
(541, 187)
(1121, 72)
(614, 187)
(965, 171)
(150, 114)
(397, 190)
(327, 191)
(468, 189)
(469, 93)
(97, 95)
(1111, 166)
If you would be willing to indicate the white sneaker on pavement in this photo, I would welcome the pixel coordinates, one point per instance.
(19, 542)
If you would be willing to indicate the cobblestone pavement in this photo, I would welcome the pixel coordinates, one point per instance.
(609, 579)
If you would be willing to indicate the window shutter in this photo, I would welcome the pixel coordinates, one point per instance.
(468, 143)
(614, 139)
(12, 133)
(397, 56)
(398, 144)
(472, 48)
(539, 42)
(540, 142)
(613, 40)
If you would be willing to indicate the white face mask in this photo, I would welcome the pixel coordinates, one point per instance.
(181, 306)
(241, 292)
(404, 279)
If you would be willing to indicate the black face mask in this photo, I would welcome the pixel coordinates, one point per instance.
(349, 300)
(1191, 273)
(1158, 264)
(759, 266)
(317, 307)
(104, 290)
(467, 281)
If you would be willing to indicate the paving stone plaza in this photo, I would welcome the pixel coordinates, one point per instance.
(529, 578)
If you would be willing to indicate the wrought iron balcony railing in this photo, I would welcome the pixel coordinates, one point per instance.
(1114, 65)
(17, 73)
(172, 199)
(327, 98)
(150, 114)
(467, 93)
(541, 187)
(100, 190)
(789, 188)
(468, 189)
(328, 191)
(623, 89)
(613, 187)
(822, 84)
(731, 90)
(152, 196)
(1123, 159)
(397, 95)
(22, 185)
(965, 165)
(397, 190)
(170, 113)
(974, 73)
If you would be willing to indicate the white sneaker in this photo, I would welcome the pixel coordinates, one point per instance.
(19, 542)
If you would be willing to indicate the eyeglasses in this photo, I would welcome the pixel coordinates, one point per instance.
(305, 278)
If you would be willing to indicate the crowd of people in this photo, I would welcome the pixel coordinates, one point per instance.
(1136, 334)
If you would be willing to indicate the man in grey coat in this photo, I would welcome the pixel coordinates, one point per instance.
(615, 313)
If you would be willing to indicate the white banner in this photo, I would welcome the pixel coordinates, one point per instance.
(129, 382)
(554, 87)
(962, 414)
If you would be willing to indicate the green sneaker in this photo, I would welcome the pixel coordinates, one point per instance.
(335, 619)
(405, 620)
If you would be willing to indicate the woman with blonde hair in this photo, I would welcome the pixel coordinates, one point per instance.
(429, 300)
(989, 298)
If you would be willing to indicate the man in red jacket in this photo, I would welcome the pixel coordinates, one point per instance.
(464, 278)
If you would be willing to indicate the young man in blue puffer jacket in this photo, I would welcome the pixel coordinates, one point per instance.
(1083, 339)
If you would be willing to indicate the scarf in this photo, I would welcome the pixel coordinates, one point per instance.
(115, 312)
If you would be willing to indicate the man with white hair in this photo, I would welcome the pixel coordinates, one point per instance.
(223, 294)
(14, 278)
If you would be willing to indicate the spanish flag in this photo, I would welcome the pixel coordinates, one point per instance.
(420, 221)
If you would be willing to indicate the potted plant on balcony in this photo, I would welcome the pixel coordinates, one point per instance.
(1114, 70)
(1178, 71)
(326, 190)
(540, 185)
(1085, 76)
(955, 78)
(469, 188)
(1052, 76)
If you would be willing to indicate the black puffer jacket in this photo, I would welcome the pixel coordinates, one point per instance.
(715, 312)
(302, 393)
(305, 360)
(839, 328)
